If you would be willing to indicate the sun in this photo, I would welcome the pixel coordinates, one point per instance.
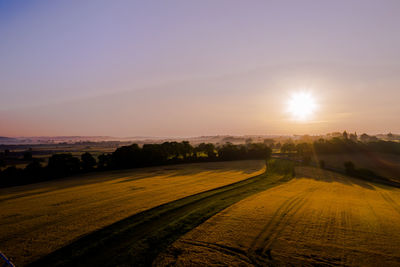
(301, 105)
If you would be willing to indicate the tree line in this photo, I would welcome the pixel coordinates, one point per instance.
(131, 156)
(345, 144)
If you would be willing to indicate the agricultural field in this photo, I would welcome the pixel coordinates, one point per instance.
(317, 218)
(208, 214)
(383, 164)
(39, 218)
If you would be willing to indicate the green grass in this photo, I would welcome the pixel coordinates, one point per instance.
(280, 166)
(137, 240)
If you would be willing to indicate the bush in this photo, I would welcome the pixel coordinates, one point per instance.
(34, 170)
(88, 161)
(11, 176)
(63, 165)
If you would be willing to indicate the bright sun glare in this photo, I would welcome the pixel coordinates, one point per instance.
(301, 106)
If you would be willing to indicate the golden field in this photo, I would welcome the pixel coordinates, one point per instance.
(40, 218)
(317, 218)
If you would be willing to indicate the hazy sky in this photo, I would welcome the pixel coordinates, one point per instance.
(188, 68)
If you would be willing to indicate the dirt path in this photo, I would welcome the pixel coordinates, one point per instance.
(319, 218)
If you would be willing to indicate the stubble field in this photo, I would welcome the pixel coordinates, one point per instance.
(317, 218)
(385, 165)
(40, 218)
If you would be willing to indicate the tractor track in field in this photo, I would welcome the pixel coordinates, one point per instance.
(309, 221)
(390, 201)
(137, 240)
(240, 253)
(260, 247)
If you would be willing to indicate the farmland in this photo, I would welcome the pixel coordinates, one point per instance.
(199, 133)
(383, 164)
(221, 213)
(40, 218)
(42, 152)
(317, 218)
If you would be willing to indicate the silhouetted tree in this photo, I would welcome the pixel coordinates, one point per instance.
(63, 165)
(207, 149)
(153, 154)
(278, 145)
(88, 161)
(304, 149)
(27, 155)
(186, 149)
(248, 141)
(269, 142)
(11, 176)
(170, 148)
(364, 137)
(353, 137)
(104, 161)
(126, 157)
(231, 152)
(288, 147)
(34, 170)
(258, 151)
(345, 135)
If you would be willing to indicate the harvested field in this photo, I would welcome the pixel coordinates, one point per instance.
(317, 218)
(383, 164)
(39, 218)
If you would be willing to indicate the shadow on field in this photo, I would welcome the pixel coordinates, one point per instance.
(138, 239)
(383, 164)
(192, 169)
(128, 175)
(330, 176)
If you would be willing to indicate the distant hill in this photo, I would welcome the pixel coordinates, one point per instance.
(7, 139)
(53, 139)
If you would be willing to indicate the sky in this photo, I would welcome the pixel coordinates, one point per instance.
(191, 68)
